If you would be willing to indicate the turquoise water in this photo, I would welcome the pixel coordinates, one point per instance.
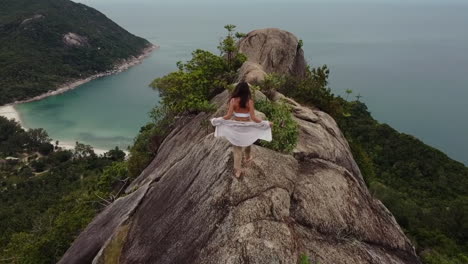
(104, 113)
(408, 61)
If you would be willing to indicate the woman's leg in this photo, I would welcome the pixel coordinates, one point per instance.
(248, 153)
(237, 151)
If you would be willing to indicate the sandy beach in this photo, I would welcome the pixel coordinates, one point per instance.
(10, 112)
(119, 67)
(71, 146)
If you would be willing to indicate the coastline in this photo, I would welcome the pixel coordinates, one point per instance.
(71, 146)
(9, 111)
(118, 68)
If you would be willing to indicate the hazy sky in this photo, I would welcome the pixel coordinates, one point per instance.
(275, 1)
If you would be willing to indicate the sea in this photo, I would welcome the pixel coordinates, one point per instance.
(408, 60)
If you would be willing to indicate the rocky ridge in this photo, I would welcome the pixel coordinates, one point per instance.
(186, 207)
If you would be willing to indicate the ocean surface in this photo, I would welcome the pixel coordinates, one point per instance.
(408, 61)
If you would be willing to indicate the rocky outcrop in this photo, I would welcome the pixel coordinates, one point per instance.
(277, 51)
(74, 40)
(31, 19)
(186, 207)
(252, 73)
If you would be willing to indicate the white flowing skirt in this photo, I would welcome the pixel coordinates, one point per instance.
(241, 134)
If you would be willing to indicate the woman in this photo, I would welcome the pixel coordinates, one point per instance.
(242, 132)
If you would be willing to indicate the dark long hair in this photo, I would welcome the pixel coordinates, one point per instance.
(243, 92)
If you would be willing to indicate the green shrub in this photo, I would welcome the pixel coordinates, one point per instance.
(46, 148)
(142, 152)
(272, 82)
(285, 130)
(313, 90)
(115, 154)
(190, 89)
(113, 176)
(38, 165)
(304, 259)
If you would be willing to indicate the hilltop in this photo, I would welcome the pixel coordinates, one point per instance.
(309, 200)
(45, 44)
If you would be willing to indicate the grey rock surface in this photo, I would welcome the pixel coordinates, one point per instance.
(74, 40)
(275, 50)
(252, 73)
(186, 207)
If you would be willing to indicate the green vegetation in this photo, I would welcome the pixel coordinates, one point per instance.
(47, 198)
(146, 145)
(71, 187)
(48, 195)
(184, 92)
(34, 57)
(425, 190)
(285, 131)
(112, 252)
(304, 259)
(190, 89)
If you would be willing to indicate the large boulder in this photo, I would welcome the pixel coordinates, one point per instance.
(252, 73)
(275, 50)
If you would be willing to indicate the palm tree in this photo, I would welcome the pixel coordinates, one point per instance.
(348, 92)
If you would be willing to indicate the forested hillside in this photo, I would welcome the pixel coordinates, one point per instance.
(44, 43)
(48, 194)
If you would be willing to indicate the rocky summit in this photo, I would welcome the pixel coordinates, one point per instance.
(186, 206)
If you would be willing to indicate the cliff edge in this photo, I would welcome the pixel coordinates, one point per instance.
(186, 207)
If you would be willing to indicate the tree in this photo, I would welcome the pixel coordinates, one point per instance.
(348, 92)
(8, 128)
(115, 154)
(82, 151)
(38, 136)
(38, 165)
(45, 148)
(228, 48)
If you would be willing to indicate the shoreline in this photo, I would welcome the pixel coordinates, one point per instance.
(118, 68)
(9, 111)
(71, 146)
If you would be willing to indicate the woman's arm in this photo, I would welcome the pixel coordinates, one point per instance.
(230, 111)
(252, 112)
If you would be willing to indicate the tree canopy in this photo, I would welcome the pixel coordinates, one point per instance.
(34, 57)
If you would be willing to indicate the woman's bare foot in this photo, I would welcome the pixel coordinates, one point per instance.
(249, 159)
(237, 173)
